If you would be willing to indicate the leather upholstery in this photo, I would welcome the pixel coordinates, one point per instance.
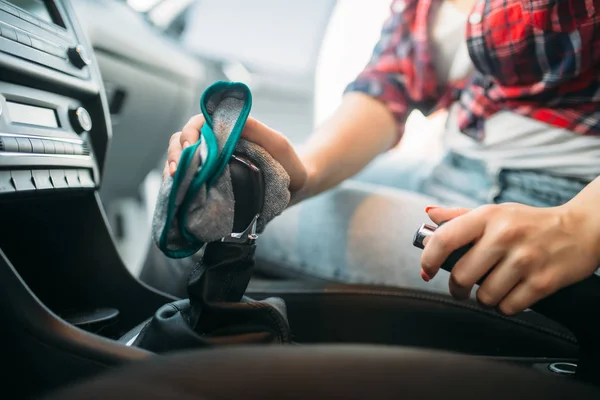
(250, 322)
(337, 313)
(324, 372)
(216, 312)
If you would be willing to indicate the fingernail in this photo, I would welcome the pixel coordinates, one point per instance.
(172, 167)
(429, 208)
(186, 144)
(424, 276)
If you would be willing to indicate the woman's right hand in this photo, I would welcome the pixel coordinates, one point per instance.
(272, 141)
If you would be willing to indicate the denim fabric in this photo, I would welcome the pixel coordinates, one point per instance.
(361, 232)
(468, 183)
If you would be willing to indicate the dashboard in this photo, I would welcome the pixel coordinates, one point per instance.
(54, 128)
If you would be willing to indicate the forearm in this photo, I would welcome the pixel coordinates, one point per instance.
(588, 200)
(584, 208)
(360, 130)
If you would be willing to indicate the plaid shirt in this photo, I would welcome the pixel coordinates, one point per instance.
(538, 58)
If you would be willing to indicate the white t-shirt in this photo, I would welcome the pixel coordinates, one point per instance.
(512, 141)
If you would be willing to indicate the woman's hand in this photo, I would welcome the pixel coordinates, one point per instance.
(272, 141)
(533, 252)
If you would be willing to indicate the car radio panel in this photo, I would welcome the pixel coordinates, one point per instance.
(36, 30)
(48, 131)
(44, 141)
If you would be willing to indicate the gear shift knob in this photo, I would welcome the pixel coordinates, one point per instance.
(427, 230)
(217, 313)
(248, 191)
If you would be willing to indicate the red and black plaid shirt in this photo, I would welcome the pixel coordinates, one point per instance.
(538, 58)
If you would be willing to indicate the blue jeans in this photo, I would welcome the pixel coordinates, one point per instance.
(361, 231)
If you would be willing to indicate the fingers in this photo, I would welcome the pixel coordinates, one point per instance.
(519, 299)
(529, 292)
(180, 140)
(501, 281)
(473, 266)
(441, 214)
(272, 141)
(191, 131)
(507, 274)
(280, 149)
(174, 153)
(459, 232)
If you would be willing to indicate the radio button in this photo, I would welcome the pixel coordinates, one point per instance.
(41, 178)
(10, 144)
(37, 146)
(24, 145)
(81, 120)
(23, 180)
(78, 149)
(49, 147)
(38, 44)
(60, 147)
(69, 148)
(6, 184)
(85, 178)
(72, 178)
(58, 178)
(79, 57)
(23, 38)
(53, 49)
(9, 33)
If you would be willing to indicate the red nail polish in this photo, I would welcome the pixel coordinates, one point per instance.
(424, 276)
(429, 208)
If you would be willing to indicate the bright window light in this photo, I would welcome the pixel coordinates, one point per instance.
(142, 5)
(351, 35)
(352, 32)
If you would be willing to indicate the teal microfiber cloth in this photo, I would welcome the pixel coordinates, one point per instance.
(196, 205)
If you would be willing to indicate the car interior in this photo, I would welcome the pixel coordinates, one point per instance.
(90, 92)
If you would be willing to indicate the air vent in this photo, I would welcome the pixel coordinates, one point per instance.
(1, 144)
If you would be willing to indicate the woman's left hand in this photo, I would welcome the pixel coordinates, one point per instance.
(533, 252)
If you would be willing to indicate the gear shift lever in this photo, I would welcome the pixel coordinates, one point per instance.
(226, 267)
(217, 312)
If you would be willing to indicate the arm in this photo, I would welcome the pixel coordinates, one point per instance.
(370, 119)
(360, 129)
(375, 107)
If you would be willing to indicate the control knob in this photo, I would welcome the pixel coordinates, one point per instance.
(80, 120)
(79, 57)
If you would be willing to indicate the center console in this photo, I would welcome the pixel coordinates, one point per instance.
(62, 280)
(53, 127)
(67, 299)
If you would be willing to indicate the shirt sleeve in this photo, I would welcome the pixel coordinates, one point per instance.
(400, 72)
